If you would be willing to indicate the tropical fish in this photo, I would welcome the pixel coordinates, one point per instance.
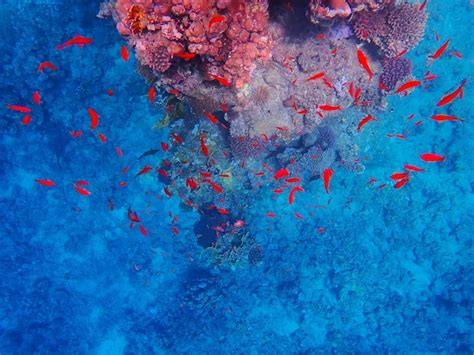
(422, 6)
(448, 98)
(110, 92)
(297, 215)
(315, 76)
(221, 80)
(148, 153)
(413, 168)
(164, 146)
(82, 182)
(45, 182)
(133, 216)
(143, 230)
(292, 180)
(399, 176)
(102, 137)
(329, 108)
(48, 65)
(211, 117)
(123, 183)
(26, 120)
(75, 134)
(144, 170)
(204, 149)
(216, 187)
(151, 95)
(364, 121)
(36, 98)
(401, 183)
(363, 61)
(23, 109)
(224, 107)
(456, 54)
(408, 85)
(186, 56)
(124, 53)
(177, 138)
(291, 196)
(270, 215)
(444, 118)
(215, 19)
(94, 118)
(119, 151)
(327, 175)
(280, 174)
(191, 184)
(76, 41)
(175, 230)
(222, 211)
(431, 157)
(440, 50)
(81, 190)
(401, 54)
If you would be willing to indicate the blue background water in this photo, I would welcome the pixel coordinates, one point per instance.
(392, 273)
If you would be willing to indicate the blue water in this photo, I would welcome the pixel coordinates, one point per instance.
(392, 273)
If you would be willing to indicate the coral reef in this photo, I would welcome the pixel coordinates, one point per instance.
(394, 71)
(323, 10)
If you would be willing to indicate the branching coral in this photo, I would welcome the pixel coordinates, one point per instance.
(320, 10)
(394, 71)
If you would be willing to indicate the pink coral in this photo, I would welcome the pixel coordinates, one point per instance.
(226, 36)
(319, 10)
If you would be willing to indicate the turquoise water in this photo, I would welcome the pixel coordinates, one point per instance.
(392, 271)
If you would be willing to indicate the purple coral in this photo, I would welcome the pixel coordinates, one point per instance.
(328, 9)
(394, 71)
(246, 147)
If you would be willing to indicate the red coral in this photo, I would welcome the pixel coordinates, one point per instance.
(228, 36)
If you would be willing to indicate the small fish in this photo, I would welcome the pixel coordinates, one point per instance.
(222, 211)
(401, 183)
(75, 134)
(167, 191)
(456, 54)
(82, 182)
(281, 174)
(431, 157)
(408, 85)
(94, 118)
(440, 50)
(260, 173)
(177, 138)
(110, 92)
(82, 191)
(151, 95)
(144, 170)
(48, 65)
(23, 109)
(302, 112)
(143, 230)
(315, 76)
(119, 151)
(204, 174)
(292, 180)
(444, 118)
(191, 184)
(448, 98)
(357, 96)
(102, 137)
(216, 187)
(239, 223)
(148, 153)
(422, 6)
(26, 120)
(291, 196)
(76, 41)
(133, 216)
(277, 191)
(45, 182)
(363, 61)
(430, 77)
(401, 54)
(221, 80)
(215, 19)
(329, 108)
(327, 175)
(364, 121)
(125, 169)
(270, 215)
(399, 176)
(297, 215)
(320, 36)
(204, 149)
(175, 230)
(186, 56)
(124, 53)
(123, 183)
(413, 168)
(211, 117)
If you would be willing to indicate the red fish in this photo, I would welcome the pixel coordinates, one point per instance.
(408, 85)
(151, 95)
(191, 184)
(204, 149)
(430, 77)
(401, 54)
(401, 183)
(143, 230)
(302, 112)
(144, 170)
(431, 157)
(119, 151)
(76, 41)
(175, 230)
(413, 168)
(186, 56)
(26, 120)
(450, 97)
(357, 96)
(222, 211)
(440, 50)
(270, 215)
(125, 169)
(123, 183)
(23, 109)
(216, 187)
(177, 138)
(94, 118)
(315, 76)
(82, 182)
(221, 80)
(133, 216)
(363, 61)
(124, 53)
(102, 137)
(297, 215)
(280, 174)
(215, 19)
(444, 118)
(110, 92)
(224, 107)
(329, 108)
(75, 134)
(399, 176)
(164, 146)
(456, 54)
(45, 182)
(211, 117)
(292, 180)
(82, 190)
(422, 6)
(291, 196)
(48, 65)
(167, 192)
(364, 121)
(327, 175)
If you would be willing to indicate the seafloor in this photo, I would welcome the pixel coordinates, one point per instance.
(392, 272)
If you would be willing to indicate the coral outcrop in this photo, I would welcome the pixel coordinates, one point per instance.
(394, 71)
(323, 10)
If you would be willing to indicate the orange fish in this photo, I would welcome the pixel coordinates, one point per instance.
(431, 157)
(221, 80)
(456, 54)
(204, 149)
(440, 50)
(422, 6)
(408, 85)
(216, 187)
(401, 54)
(413, 168)
(444, 118)
(125, 169)
(175, 230)
(94, 118)
(123, 183)
(191, 184)
(75, 134)
(82, 182)
(177, 138)
(133, 216)
(186, 56)
(280, 174)
(430, 77)
(215, 19)
(151, 95)
(222, 211)
(363, 61)
(291, 196)
(315, 76)
(76, 41)
(45, 182)
(82, 190)
(36, 98)
(292, 180)
(401, 183)
(399, 176)
(327, 175)
(110, 92)
(102, 137)
(124, 53)
(119, 151)
(23, 109)
(164, 146)
(329, 108)
(270, 215)
(143, 230)
(48, 65)
(144, 170)
(211, 117)
(364, 121)
(26, 120)
(297, 215)
(450, 97)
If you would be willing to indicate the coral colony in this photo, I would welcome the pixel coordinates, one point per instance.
(263, 97)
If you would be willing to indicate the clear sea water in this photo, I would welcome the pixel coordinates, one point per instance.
(392, 273)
